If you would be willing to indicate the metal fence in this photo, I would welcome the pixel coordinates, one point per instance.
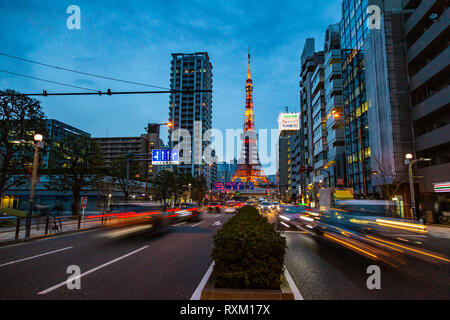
(13, 228)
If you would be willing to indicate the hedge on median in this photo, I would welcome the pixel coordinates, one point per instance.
(248, 252)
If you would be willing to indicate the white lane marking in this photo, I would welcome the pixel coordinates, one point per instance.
(293, 231)
(295, 291)
(179, 224)
(217, 223)
(407, 235)
(36, 256)
(198, 292)
(92, 270)
(77, 232)
(194, 225)
(125, 231)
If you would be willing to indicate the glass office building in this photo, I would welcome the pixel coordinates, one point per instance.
(353, 31)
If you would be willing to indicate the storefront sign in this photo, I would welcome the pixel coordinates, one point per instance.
(442, 187)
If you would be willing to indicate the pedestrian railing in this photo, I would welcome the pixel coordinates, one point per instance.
(13, 228)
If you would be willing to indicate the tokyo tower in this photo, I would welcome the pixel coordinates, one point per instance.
(249, 169)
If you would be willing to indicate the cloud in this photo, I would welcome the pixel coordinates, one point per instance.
(133, 40)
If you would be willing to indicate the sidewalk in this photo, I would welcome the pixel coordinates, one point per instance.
(8, 234)
(438, 231)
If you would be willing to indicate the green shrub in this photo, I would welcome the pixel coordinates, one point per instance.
(248, 252)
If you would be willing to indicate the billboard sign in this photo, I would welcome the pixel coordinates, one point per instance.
(165, 157)
(288, 121)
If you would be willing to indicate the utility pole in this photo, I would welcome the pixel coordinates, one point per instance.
(147, 162)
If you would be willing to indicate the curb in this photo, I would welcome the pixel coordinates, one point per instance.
(206, 282)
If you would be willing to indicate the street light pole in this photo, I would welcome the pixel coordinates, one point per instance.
(38, 138)
(411, 190)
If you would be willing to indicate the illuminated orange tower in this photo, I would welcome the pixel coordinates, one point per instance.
(249, 168)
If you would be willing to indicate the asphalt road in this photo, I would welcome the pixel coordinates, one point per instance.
(166, 266)
(323, 270)
(171, 265)
(327, 271)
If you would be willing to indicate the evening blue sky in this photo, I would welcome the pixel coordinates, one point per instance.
(133, 40)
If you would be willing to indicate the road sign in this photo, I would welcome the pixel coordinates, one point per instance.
(165, 157)
(84, 202)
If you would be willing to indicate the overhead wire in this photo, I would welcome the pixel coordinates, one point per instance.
(82, 72)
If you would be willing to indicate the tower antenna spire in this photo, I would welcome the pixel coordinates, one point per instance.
(249, 75)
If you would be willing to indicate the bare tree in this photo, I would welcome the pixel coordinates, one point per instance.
(386, 182)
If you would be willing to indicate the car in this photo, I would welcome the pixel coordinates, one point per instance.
(264, 206)
(239, 204)
(185, 212)
(135, 218)
(230, 207)
(274, 206)
(214, 207)
(293, 216)
(251, 203)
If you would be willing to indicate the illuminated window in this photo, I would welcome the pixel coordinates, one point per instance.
(364, 107)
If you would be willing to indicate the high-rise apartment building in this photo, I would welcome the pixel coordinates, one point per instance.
(318, 124)
(191, 112)
(334, 166)
(426, 33)
(310, 60)
(112, 148)
(283, 161)
(288, 127)
(385, 89)
(320, 146)
(294, 167)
